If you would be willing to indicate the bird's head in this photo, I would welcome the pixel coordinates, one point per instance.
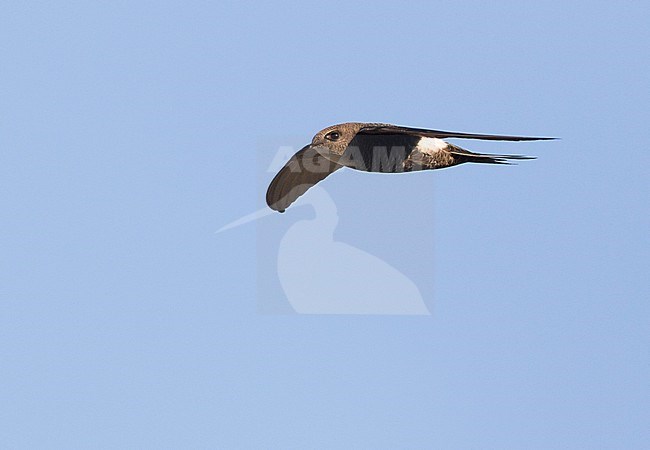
(337, 137)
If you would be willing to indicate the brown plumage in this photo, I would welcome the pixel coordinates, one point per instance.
(375, 147)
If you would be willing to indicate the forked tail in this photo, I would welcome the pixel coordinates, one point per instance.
(467, 156)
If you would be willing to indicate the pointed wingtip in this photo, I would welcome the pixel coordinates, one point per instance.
(533, 138)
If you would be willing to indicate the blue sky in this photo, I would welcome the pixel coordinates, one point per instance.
(130, 132)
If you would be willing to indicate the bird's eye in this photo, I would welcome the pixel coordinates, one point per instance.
(333, 136)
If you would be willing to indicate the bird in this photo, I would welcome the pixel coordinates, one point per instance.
(377, 147)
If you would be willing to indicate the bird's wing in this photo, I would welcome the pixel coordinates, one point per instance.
(302, 171)
(395, 129)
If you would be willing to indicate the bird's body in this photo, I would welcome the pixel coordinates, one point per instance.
(375, 147)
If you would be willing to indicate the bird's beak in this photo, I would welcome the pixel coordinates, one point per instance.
(324, 151)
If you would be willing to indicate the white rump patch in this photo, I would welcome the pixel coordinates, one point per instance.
(431, 145)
